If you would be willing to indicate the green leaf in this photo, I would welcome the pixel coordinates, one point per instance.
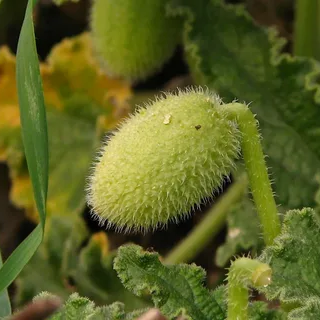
(62, 265)
(77, 307)
(43, 272)
(33, 113)
(294, 259)
(175, 289)
(34, 132)
(178, 289)
(5, 305)
(244, 232)
(72, 142)
(230, 54)
(261, 311)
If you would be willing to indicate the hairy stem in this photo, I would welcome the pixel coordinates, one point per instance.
(244, 273)
(307, 29)
(199, 237)
(256, 169)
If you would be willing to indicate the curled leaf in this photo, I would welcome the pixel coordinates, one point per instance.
(175, 289)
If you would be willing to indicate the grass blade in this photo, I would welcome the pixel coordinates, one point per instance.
(32, 112)
(35, 139)
(5, 306)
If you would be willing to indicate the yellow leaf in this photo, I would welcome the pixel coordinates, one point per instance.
(101, 240)
(8, 92)
(21, 195)
(80, 100)
(73, 68)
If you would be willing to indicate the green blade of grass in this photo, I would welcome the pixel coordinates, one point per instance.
(34, 134)
(5, 306)
(32, 112)
(19, 258)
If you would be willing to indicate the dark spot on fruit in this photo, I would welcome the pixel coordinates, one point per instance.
(198, 127)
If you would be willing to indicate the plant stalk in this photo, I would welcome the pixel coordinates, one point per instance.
(243, 273)
(256, 169)
(307, 29)
(210, 225)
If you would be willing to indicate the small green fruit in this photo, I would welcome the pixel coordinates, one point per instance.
(164, 161)
(133, 38)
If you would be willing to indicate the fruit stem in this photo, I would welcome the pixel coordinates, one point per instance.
(307, 29)
(256, 169)
(244, 272)
(210, 225)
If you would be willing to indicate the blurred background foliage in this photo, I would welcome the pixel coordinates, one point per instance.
(81, 103)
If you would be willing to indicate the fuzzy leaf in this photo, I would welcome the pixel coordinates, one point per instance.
(243, 62)
(244, 232)
(175, 289)
(77, 307)
(62, 266)
(261, 311)
(81, 103)
(178, 289)
(294, 259)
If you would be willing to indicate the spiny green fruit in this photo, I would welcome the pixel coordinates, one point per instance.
(133, 38)
(163, 161)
